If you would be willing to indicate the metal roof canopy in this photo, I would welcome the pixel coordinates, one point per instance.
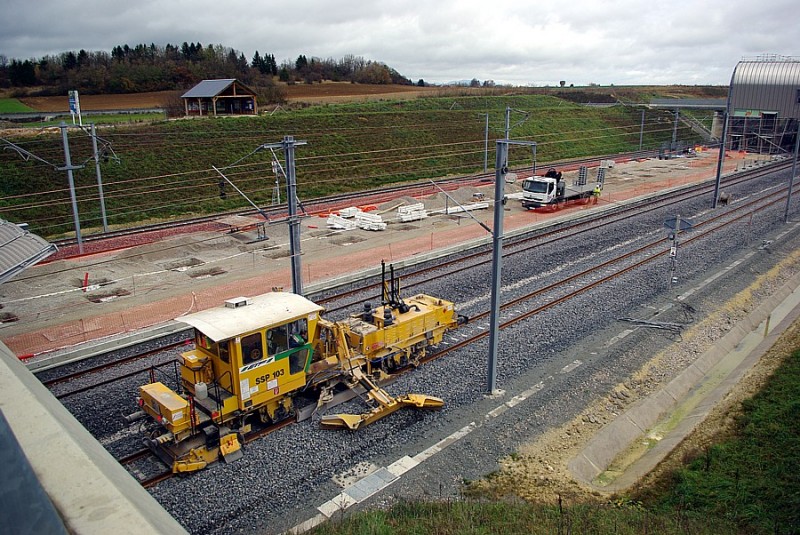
(212, 88)
(769, 84)
(19, 249)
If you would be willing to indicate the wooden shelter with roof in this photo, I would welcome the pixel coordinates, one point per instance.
(220, 97)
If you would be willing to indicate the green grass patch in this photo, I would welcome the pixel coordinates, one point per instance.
(166, 167)
(486, 518)
(12, 105)
(751, 478)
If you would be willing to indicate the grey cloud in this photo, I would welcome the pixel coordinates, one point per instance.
(515, 41)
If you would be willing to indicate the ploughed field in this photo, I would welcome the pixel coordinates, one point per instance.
(324, 92)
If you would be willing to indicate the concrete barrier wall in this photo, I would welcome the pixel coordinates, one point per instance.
(618, 435)
(91, 491)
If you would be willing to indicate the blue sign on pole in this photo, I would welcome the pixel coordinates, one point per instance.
(74, 106)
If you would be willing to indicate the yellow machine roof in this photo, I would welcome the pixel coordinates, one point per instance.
(225, 322)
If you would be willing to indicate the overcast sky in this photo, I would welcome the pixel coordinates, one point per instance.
(521, 42)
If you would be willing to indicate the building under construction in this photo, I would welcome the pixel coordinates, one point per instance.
(764, 104)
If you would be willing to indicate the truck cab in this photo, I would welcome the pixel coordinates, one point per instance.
(551, 191)
(540, 191)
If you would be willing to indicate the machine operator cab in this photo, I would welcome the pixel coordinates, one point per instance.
(250, 353)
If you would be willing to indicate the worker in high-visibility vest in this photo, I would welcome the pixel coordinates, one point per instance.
(596, 193)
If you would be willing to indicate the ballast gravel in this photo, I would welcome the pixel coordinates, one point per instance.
(282, 479)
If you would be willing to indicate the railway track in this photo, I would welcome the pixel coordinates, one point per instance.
(528, 242)
(588, 278)
(108, 372)
(417, 277)
(538, 301)
(333, 202)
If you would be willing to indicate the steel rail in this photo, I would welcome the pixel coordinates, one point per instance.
(541, 238)
(102, 367)
(381, 194)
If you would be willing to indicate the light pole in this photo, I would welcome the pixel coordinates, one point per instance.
(791, 176)
(501, 169)
(68, 167)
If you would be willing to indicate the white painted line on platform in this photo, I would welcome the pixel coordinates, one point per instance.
(532, 390)
(308, 524)
(494, 413)
(571, 366)
(618, 337)
(402, 465)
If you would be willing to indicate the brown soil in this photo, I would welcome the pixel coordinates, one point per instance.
(316, 93)
(100, 102)
(346, 92)
(539, 473)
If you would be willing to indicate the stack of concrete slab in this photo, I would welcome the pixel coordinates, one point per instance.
(340, 223)
(412, 212)
(369, 221)
(349, 212)
(464, 208)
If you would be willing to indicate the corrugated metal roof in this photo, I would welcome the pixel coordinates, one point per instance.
(771, 84)
(209, 88)
(19, 249)
(222, 323)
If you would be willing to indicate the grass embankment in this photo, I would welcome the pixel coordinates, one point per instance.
(747, 482)
(165, 168)
(12, 105)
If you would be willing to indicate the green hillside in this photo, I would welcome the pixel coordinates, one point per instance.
(165, 168)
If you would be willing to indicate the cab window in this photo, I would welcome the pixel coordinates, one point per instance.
(252, 349)
(297, 361)
(278, 339)
(223, 351)
(298, 333)
(201, 340)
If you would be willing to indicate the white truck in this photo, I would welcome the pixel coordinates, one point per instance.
(551, 191)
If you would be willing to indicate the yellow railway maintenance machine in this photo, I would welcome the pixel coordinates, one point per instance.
(253, 356)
